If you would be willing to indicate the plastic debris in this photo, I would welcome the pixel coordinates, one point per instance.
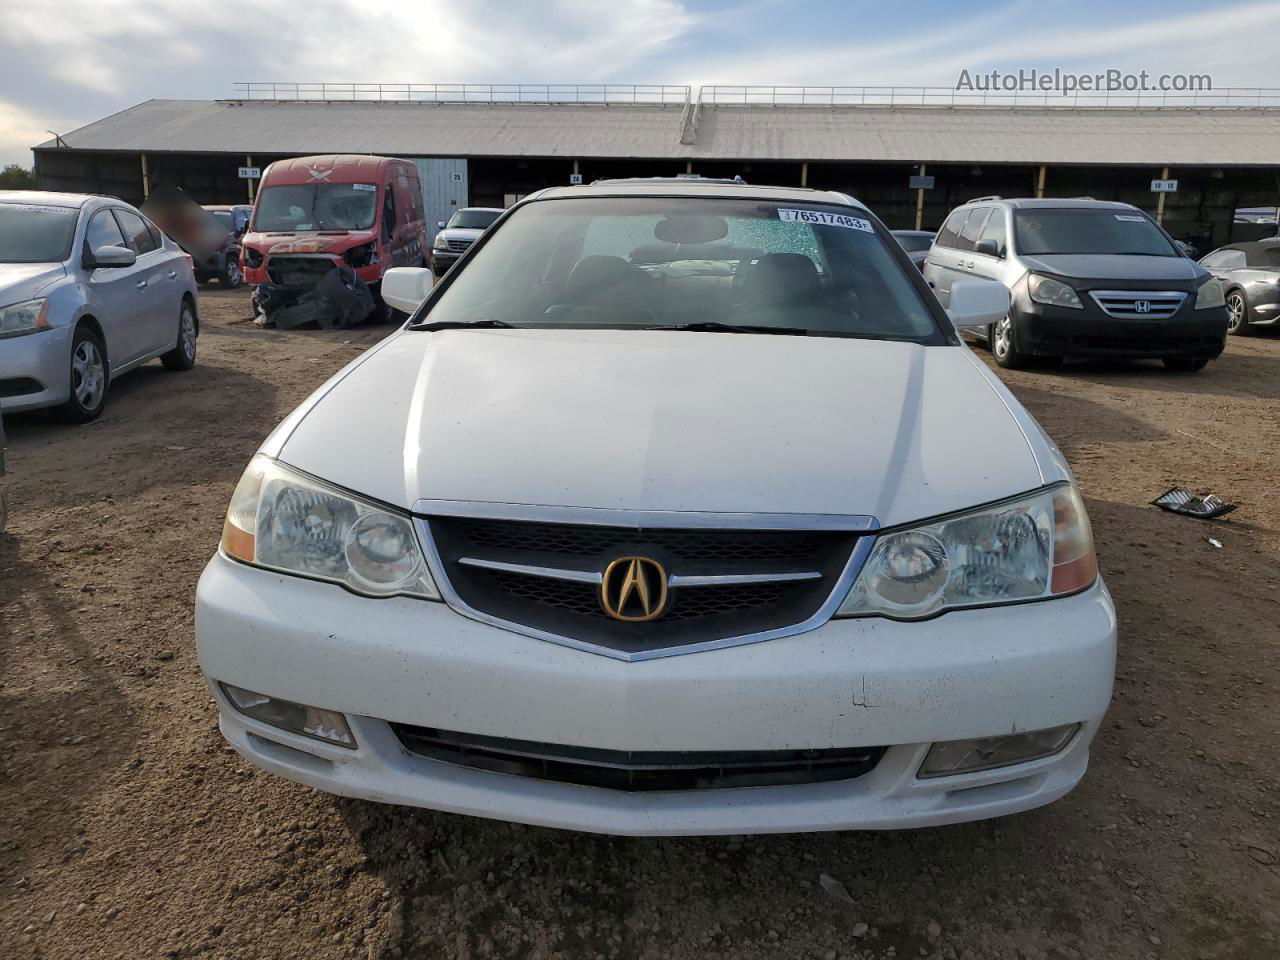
(1206, 507)
(1216, 544)
(835, 889)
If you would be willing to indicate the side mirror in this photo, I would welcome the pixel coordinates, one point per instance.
(114, 257)
(404, 288)
(439, 224)
(989, 248)
(976, 304)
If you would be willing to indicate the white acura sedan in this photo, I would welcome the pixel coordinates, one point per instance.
(677, 508)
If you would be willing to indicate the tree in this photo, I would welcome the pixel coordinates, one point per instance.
(14, 177)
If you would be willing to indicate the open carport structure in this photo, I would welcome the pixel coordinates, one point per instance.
(909, 153)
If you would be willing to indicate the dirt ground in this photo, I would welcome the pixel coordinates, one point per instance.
(128, 829)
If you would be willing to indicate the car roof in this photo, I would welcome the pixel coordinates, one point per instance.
(485, 209)
(914, 233)
(227, 206)
(1050, 203)
(695, 187)
(48, 198)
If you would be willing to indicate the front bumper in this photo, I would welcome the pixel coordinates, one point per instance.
(35, 370)
(849, 683)
(1088, 332)
(442, 260)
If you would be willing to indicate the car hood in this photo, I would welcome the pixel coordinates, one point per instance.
(649, 420)
(22, 281)
(460, 233)
(1101, 266)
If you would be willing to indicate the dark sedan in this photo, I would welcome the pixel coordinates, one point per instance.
(916, 243)
(1250, 275)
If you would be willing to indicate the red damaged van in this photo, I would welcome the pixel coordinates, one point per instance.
(315, 213)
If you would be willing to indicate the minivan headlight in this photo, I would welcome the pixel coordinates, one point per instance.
(1051, 292)
(29, 316)
(1210, 295)
(283, 520)
(1030, 548)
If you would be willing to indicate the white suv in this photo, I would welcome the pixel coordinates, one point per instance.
(680, 509)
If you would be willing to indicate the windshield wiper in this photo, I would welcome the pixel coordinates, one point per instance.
(486, 324)
(712, 326)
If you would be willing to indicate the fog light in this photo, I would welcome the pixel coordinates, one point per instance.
(949, 757)
(326, 725)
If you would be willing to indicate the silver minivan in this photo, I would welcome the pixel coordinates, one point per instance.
(1087, 278)
(89, 288)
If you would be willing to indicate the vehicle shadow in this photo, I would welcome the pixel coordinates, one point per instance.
(1236, 373)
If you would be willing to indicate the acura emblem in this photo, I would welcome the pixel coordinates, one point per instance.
(633, 589)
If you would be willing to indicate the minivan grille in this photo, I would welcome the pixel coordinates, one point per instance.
(721, 583)
(1139, 304)
(638, 770)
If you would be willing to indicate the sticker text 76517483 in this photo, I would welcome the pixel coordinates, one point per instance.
(825, 218)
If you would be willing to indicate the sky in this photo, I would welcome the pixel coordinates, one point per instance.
(66, 63)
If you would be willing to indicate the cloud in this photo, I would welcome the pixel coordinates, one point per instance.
(19, 130)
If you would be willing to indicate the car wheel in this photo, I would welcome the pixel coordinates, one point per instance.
(1237, 313)
(1186, 364)
(1004, 345)
(89, 378)
(183, 356)
(232, 277)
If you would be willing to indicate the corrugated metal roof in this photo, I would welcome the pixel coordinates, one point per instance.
(1150, 137)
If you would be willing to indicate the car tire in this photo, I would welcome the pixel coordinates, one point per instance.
(1004, 344)
(183, 356)
(1237, 313)
(232, 276)
(90, 377)
(1185, 364)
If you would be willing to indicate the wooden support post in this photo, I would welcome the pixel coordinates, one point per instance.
(248, 162)
(1040, 181)
(146, 179)
(688, 166)
(920, 201)
(804, 174)
(1160, 199)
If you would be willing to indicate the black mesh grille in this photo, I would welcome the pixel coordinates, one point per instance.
(693, 614)
(639, 771)
(587, 541)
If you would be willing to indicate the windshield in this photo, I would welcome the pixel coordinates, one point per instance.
(914, 242)
(656, 261)
(1114, 232)
(36, 232)
(474, 219)
(225, 218)
(316, 206)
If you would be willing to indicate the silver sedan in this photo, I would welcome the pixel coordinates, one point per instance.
(89, 289)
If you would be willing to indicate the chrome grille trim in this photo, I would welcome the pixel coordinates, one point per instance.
(551, 573)
(629, 518)
(1122, 304)
(665, 519)
(674, 580)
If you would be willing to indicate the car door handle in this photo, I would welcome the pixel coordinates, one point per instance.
(173, 274)
(141, 284)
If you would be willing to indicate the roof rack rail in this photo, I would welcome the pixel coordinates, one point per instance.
(735, 180)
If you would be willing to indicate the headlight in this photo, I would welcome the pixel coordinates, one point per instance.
(362, 256)
(283, 520)
(18, 319)
(1051, 292)
(252, 257)
(1031, 548)
(1210, 295)
(440, 243)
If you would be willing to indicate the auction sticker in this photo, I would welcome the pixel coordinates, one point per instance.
(364, 186)
(1130, 218)
(825, 219)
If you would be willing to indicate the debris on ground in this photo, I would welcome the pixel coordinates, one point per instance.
(835, 889)
(1216, 544)
(339, 300)
(1206, 507)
